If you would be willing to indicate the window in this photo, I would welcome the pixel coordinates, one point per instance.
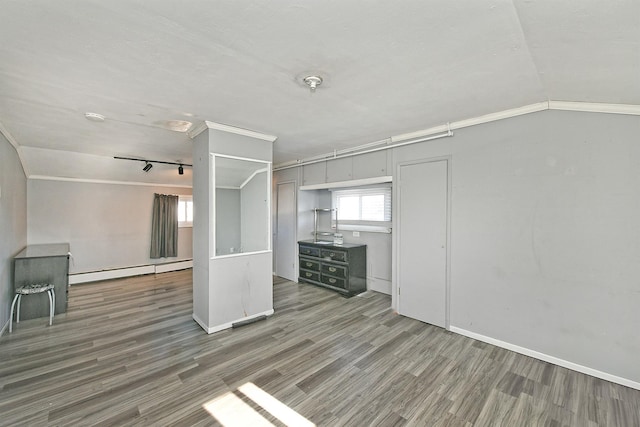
(363, 209)
(185, 211)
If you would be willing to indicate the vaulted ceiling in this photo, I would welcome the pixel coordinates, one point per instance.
(389, 67)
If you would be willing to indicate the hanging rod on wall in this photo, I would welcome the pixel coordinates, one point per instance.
(371, 150)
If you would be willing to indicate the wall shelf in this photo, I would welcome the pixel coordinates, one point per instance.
(316, 214)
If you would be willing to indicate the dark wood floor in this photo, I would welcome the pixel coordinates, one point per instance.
(128, 353)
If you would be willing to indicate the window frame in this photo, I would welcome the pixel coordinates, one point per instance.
(186, 199)
(384, 226)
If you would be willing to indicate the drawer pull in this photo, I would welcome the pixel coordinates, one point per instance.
(309, 264)
(333, 269)
(332, 254)
(332, 280)
(308, 274)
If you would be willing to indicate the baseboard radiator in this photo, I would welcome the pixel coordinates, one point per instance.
(116, 273)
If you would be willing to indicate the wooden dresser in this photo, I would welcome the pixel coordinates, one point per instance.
(342, 268)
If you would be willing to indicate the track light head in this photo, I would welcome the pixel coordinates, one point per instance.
(147, 167)
(180, 170)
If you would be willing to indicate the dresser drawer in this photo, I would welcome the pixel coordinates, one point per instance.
(309, 251)
(309, 264)
(310, 275)
(334, 270)
(334, 255)
(333, 281)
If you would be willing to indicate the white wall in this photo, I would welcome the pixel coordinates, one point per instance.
(545, 234)
(254, 214)
(107, 225)
(13, 221)
(227, 221)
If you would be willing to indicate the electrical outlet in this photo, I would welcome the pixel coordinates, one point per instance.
(356, 234)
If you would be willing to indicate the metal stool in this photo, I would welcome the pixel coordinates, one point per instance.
(36, 288)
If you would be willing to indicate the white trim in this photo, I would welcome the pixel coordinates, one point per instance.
(4, 131)
(352, 183)
(117, 273)
(237, 254)
(492, 117)
(173, 266)
(501, 115)
(230, 129)
(252, 175)
(595, 107)
(548, 358)
(228, 325)
(105, 181)
(240, 158)
(364, 228)
(110, 274)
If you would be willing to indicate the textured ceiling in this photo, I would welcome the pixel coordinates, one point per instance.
(389, 67)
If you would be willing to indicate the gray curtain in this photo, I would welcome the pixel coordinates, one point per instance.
(164, 226)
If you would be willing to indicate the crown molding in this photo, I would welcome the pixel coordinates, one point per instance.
(593, 107)
(230, 129)
(16, 146)
(105, 181)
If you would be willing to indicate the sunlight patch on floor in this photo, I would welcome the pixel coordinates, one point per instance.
(232, 411)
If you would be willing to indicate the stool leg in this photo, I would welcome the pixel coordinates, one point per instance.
(13, 305)
(53, 310)
(50, 305)
(18, 315)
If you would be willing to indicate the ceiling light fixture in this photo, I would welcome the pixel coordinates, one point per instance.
(94, 117)
(174, 125)
(148, 163)
(313, 82)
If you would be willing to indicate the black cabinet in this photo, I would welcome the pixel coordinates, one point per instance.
(342, 268)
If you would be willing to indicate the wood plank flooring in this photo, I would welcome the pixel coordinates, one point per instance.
(128, 353)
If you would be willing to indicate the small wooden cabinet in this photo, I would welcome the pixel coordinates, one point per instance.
(342, 268)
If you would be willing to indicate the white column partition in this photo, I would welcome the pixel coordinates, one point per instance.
(231, 284)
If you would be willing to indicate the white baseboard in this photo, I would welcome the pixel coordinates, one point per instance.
(379, 285)
(222, 327)
(117, 273)
(174, 266)
(547, 358)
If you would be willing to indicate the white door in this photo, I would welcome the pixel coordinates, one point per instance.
(422, 241)
(285, 231)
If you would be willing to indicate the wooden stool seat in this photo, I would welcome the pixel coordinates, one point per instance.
(33, 288)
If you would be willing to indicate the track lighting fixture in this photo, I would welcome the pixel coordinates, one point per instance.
(148, 163)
